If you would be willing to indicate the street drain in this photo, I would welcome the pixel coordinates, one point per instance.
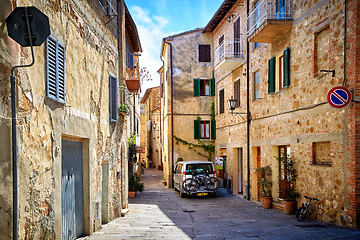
(190, 211)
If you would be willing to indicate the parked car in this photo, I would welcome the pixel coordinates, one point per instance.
(195, 178)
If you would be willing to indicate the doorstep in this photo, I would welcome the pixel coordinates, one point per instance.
(124, 212)
(278, 205)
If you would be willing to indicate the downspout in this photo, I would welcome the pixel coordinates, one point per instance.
(248, 116)
(345, 28)
(171, 111)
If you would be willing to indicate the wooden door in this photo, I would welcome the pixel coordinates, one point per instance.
(284, 183)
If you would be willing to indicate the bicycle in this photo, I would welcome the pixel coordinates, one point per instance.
(302, 211)
(204, 182)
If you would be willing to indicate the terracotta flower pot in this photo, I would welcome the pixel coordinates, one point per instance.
(266, 202)
(132, 194)
(289, 207)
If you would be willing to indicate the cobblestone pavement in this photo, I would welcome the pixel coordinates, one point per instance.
(160, 213)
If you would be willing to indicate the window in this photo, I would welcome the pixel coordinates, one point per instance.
(279, 72)
(204, 87)
(113, 98)
(204, 53)
(55, 70)
(256, 85)
(256, 45)
(130, 61)
(237, 34)
(204, 129)
(221, 101)
(321, 50)
(237, 92)
(321, 154)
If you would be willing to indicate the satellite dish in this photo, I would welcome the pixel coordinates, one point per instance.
(38, 24)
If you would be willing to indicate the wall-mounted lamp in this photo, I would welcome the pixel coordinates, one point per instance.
(232, 106)
(230, 17)
(154, 126)
(329, 71)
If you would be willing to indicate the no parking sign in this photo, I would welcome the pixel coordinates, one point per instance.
(339, 97)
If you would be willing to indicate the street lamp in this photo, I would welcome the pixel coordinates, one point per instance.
(154, 126)
(232, 105)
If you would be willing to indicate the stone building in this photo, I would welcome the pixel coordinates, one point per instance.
(71, 137)
(188, 94)
(152, 128)
(298, 51)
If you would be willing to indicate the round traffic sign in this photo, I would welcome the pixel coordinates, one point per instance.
(339, 97)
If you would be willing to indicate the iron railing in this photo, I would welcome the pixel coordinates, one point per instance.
(269, 10)
(229, 48)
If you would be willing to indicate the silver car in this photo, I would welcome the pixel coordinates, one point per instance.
(195, 178)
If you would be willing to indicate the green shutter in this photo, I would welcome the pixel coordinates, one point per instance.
(213, 129)
(271, 76)
(196, 87)
(286, 66)
(196, 129)
(212, 86)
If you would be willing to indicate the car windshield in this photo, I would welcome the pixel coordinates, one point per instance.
(201, 168)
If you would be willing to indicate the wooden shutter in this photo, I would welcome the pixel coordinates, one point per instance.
(271, 76)
(286, 66)
(55, 70)
(221, 101)
(196, 129)
(113, 98)
(196, 87)
(213, 129)
(237, 92)
(212, 86)
(204, 53)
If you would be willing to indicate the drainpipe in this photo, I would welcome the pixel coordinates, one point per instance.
(345, 29)
(172, 113)
(248, 116)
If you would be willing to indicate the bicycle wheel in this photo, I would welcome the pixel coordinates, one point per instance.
(301, 213)
(189, 185)
(212, 183)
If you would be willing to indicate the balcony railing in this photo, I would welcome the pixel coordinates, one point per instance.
(279, 10)
(231, 49)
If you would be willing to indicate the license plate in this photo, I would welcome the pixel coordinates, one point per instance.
(202, 194)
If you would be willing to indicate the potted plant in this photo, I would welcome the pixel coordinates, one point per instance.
(264, 175)
(134, 184)
(287, 181)
(123, 108)
(164, 181)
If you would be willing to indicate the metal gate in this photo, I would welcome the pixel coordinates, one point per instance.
(72, 190)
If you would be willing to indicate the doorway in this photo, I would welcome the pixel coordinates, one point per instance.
(72, 190)
(284, 183)
(258, 165)
(105, 193)
(240, 170)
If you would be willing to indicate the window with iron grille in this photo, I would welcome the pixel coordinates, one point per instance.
(321, 153)
(55, 70)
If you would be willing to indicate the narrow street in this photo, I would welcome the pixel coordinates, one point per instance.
(160, 213)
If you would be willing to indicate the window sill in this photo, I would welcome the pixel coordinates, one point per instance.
(321, 164)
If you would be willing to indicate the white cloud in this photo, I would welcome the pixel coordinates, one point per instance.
(151, 32)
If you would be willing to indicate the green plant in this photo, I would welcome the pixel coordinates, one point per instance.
(212, 111)
(123, 108)
(209, 148)
(134, 182)
(264, 175)
(288, 176)
(132, 139)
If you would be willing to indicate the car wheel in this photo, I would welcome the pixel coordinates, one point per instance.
(182, 195)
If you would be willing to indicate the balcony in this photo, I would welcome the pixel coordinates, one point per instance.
(269, 20)
(230, 54)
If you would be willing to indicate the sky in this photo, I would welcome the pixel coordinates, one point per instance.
(156, 19)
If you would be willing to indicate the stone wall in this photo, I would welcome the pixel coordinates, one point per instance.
(91, 55)
(298, 116)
